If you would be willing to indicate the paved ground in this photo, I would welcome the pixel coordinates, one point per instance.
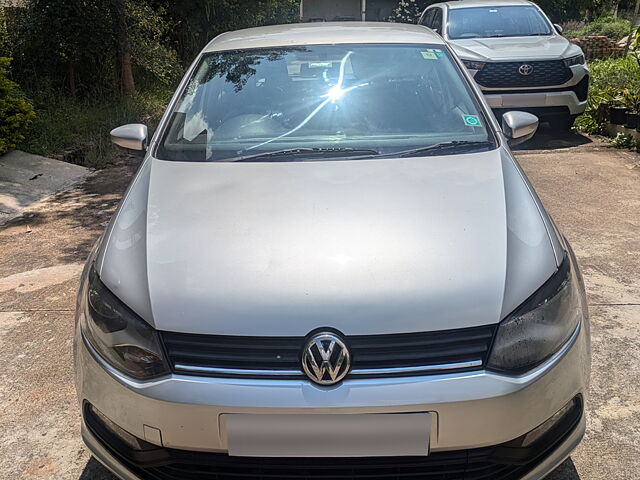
(592, 191)
(26, 179)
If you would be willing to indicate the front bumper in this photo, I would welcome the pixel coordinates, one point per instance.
(553, 101)
(470, 411)
(567, 99)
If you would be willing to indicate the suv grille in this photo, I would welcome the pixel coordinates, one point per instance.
(373, 355)
(507, 75)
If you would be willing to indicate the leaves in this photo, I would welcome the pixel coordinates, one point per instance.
(16, 114)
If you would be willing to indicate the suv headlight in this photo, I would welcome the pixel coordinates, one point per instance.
(540, 326)
(473, 65)
(119, 336)
(577, 60)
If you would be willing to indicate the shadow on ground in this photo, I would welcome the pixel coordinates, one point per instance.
(546, 138)
(95, 471)
(80, 215)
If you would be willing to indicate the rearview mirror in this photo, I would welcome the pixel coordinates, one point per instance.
(132, 136)
(558, 28)
(519, 126)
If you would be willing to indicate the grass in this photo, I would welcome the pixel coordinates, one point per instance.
(77, 130)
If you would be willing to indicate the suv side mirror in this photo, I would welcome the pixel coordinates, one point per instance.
(132, 136)
(519, 126)
(558, 28)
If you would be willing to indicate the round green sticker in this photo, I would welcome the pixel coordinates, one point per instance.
(471, 120)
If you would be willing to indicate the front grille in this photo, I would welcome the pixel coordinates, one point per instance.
(507, 75)
(372, 355)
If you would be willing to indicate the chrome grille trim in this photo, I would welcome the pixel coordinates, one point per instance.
(179, 367)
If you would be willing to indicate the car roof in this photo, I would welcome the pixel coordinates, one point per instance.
(323, 33)
(483, 3)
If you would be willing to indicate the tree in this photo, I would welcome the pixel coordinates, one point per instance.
(409, 11)
(195, 22)
(120, 21)
(94, 45)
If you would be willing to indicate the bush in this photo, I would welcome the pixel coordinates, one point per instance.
(15, 112)
(611, 81)
(608, 25)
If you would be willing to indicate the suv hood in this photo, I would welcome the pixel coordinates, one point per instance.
(366, 247)
(515, 48)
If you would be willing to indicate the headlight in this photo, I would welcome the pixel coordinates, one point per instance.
(473, 65)
(577, 60)
(119, 336)
(540, 326)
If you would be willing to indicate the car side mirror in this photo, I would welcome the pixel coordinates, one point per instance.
(132, 136)
(519, 126)
(558, 28)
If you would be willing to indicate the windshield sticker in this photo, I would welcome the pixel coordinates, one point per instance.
(471, 120)
(432, 54)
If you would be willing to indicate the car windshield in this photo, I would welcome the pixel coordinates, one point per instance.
(321, 101)
(486, 22)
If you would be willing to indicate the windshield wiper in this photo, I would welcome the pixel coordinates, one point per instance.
(292, 153)
(462, 145)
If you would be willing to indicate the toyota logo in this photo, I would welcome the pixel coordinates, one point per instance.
(525, 69)
(326, 359)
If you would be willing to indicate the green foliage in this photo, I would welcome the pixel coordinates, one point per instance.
(195, 22)
(409, 11)
(77, 130)
(15, 112)
(5, 41)
(613, 81)
(74, 45)
(608, 25)
(623, 140)
(564, 10)
(148, 31)
(615, 73)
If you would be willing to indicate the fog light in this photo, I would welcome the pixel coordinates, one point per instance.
(534, 435)
(131, 441)
(538, 442)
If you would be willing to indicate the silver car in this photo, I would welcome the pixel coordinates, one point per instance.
(329, 265)
(517, 56)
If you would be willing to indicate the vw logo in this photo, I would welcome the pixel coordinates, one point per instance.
(525, 69)
(326, 359)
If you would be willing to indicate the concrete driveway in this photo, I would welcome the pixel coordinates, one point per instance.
(592, 190)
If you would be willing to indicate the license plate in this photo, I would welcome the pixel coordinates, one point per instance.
(321, 435)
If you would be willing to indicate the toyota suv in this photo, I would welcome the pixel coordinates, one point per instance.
(330, 265)
(516, 55)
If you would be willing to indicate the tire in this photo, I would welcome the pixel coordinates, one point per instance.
(562, 124)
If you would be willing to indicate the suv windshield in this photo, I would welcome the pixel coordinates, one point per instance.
(507, 21)
(324, 101)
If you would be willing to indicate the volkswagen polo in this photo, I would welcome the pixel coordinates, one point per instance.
(329, 265)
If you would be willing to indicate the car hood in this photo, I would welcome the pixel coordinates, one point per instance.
(365, 247)
(515, 48)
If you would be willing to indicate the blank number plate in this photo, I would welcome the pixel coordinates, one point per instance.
(366, 435)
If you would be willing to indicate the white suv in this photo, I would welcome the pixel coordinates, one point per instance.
(517, 56)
